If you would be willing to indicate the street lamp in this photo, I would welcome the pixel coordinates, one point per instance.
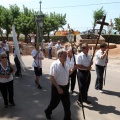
(39, 19)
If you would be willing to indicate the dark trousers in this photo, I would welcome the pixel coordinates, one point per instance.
(55, 100)
(84, 77)
(72, 79)
(99, 79)
(7, 90)
(50, 53)
(18, 66)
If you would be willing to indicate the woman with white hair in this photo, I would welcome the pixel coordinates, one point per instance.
(6, 80)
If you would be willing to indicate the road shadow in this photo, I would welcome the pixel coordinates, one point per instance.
(31, 101)
(102, 109)
(112, 93)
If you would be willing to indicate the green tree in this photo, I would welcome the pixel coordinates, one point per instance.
(7, 21)
(25, 22)
(117, 24)
(97, 15)
(15, 12)
(2, 9)
(53, 22)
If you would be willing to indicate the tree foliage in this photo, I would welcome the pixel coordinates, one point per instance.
(97, 15)
(25, 23)
(53, 22)
(117, 24)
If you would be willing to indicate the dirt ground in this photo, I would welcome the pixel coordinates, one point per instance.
(113, 53)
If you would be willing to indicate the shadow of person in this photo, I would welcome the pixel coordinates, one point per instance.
(113, 93)
(102, 109)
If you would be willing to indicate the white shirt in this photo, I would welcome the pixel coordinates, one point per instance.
(71, 61)
(84, 60)
(58, 46)
(43, 45)
(98, 60)
(50, 45)
(60, 73)
(32, 38)
(36, 61)
(6, 47)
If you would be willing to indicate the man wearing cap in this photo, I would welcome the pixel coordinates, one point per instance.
(101, 60)
(84, 76)
(50, 49)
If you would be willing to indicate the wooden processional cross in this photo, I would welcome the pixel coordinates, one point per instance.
(102, 23)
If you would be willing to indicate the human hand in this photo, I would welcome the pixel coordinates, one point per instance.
(89, 68)
(7, 76)
(107, 50)
(60, 90)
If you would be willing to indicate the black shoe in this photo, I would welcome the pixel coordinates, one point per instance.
(87, 101)
(72, 91)
(39, 86)
(96, 88)
(79, 103)
(47, 115)
(6, 106)
(13, 104)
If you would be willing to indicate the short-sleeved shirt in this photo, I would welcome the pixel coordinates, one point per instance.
(36, 61)
(43, 45)
(58, 46)
(5, 71)
(60, 73)
(6, 47)
(98, 60)
(50, 45)
(83, 59)
(71, 61)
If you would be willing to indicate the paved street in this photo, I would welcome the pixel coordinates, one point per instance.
(31, 102)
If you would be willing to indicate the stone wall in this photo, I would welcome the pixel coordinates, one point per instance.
(27, 49)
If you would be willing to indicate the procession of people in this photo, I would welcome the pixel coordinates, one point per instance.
(70, 65)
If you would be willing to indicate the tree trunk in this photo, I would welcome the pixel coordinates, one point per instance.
(1, 34)
(26, 40)
(48, 36)
(18, 35)
(7, 36)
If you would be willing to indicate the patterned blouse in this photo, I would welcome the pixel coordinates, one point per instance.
(5, 71)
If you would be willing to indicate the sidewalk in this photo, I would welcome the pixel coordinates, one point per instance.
(31, 101)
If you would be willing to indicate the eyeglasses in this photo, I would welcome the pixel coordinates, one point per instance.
(4, 57)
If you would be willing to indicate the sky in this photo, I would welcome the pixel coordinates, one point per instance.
(79, 13)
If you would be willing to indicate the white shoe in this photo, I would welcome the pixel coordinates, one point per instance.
(101, 91)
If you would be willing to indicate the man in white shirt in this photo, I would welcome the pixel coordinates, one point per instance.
(32, 35)
(50, 49)
(57, 47)
(6, 48)
(70, 61)
(84, 76)
(43, 47)
(100, 61)
(37, 64)
(17, 62)
(59, 75)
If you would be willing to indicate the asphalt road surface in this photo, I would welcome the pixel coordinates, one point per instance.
(31, 101)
